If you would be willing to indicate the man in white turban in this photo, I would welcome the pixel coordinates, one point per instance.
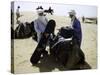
(76, 25)
(40, 23)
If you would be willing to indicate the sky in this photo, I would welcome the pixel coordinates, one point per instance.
(59, 9)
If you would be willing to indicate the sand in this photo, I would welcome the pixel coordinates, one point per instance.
(23, 48)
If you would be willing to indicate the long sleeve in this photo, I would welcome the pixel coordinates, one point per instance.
(76, 26)
(77, 30)
(36, 27)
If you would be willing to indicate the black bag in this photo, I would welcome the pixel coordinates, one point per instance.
(66, 32)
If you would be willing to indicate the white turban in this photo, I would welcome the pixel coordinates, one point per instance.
(72, 12)
(40, 11)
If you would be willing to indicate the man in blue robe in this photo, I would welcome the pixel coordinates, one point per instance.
(76, 25)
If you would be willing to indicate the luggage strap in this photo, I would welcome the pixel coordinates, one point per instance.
(61, 40)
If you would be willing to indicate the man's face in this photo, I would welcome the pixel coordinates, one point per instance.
(40, 14)
(70, 15)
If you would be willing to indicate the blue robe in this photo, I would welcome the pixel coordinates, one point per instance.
(77, 31)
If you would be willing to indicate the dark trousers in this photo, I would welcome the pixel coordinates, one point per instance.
(42, 43)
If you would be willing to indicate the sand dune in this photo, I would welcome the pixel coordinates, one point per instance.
(23, 48)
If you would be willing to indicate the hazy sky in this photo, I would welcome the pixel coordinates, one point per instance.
(59, 9)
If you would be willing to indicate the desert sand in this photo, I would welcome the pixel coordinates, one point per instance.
(24, 48)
